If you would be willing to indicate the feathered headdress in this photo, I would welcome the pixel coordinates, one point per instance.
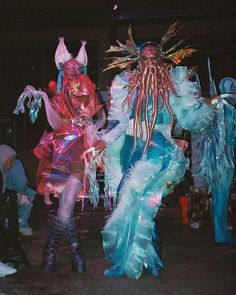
(130, 53)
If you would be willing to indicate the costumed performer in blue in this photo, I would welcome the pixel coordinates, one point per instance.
(213, 154)
(75, 115)
(143, 163)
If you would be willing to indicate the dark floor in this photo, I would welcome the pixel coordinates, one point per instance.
(193, 263)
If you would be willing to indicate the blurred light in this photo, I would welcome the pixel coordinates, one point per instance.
(115, 7)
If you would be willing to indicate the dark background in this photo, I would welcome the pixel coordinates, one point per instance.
(29, 32)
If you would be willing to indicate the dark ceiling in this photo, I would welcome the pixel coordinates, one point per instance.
(26, 58)
(33, 14)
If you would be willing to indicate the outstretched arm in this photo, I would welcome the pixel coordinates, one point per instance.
(54, 119)
(34, 104)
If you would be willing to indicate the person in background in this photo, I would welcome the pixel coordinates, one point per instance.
(25, 200)
(5, 269)
(11, 251)
(213, 153)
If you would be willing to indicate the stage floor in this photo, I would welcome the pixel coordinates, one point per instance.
(194, 264)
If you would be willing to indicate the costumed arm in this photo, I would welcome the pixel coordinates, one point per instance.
(213, 151)
(53, 117)
(191, 111)
(34, 104)
(118, 118)
(112, 139)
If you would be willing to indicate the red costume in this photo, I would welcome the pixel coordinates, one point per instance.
(60, 150)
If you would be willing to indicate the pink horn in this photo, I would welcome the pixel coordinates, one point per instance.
(82, 57)
(62, 54)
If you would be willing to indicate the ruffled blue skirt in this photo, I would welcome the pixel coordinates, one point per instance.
(130, 236)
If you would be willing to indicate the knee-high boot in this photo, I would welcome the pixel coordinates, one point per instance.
(78, 264)
(55, 234)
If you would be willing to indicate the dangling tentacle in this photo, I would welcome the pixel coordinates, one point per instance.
(152, 82)
(135, 131)
(155, 101)
(148, 137)
(138, 105)
(169, 108)
(143, 78)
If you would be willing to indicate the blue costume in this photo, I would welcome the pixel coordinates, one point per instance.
(141, 177)
(213, 159)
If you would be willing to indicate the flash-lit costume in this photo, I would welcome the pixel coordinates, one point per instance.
(60, 151)
(143, 161)
(213, 154)
(70, 112)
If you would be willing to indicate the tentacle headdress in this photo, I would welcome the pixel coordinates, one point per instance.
(130, 53)
(152, 79)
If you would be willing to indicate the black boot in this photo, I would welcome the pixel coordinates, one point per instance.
(78, 264)
(55, 233)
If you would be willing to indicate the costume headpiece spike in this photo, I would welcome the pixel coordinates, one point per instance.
(129, 53)
(171, 32)
(180, 54)
(129, 50)
(174, 47)
(82, 56)
(62, 54)
(175, 56)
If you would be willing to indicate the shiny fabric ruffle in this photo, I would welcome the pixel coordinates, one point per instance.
(128, 234)
(217, 146)
(60, 154)
(214, 162)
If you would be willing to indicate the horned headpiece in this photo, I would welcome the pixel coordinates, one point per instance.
(62, 54)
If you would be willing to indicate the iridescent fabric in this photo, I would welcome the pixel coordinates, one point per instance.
(60, 150)
(144, 178)
(213, 162)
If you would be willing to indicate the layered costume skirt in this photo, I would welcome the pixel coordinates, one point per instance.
(130, 234)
